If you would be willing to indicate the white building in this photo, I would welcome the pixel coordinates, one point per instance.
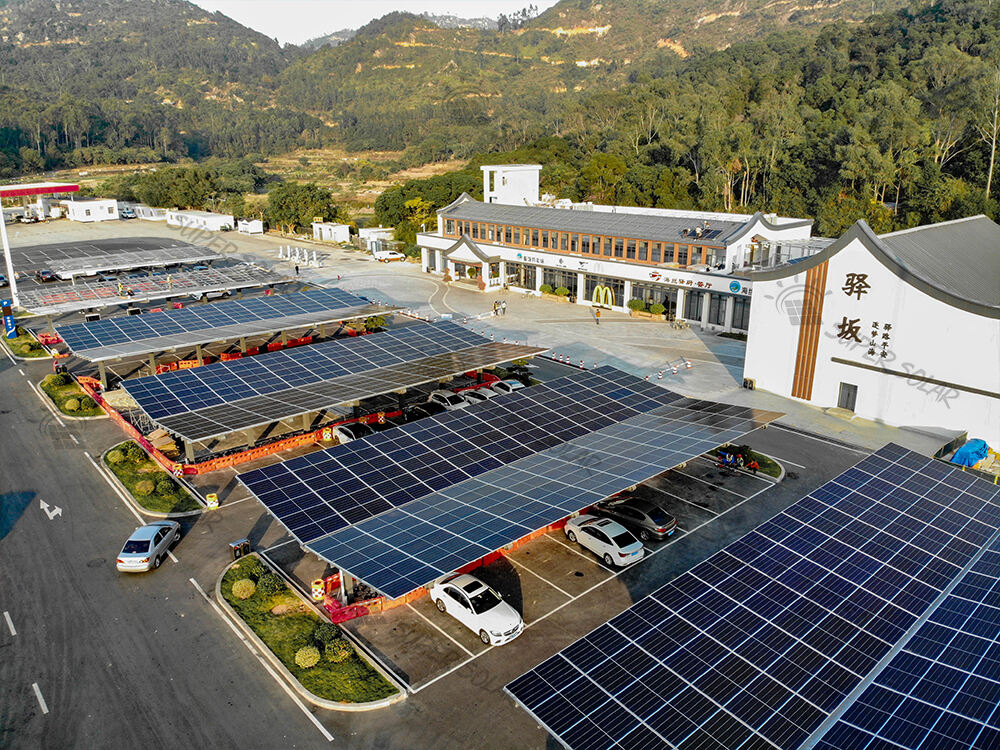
(902, 328)
(149, 213)
(369, 235)
(690, 262)
(250, 226)
(104, 209)
(203, 220)
(328, 231)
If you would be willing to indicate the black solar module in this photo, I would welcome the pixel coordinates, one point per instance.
(404, 507)
(767, 642)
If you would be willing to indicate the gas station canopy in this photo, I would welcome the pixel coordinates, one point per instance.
(37, 188)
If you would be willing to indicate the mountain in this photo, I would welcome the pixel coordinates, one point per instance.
(442, 21)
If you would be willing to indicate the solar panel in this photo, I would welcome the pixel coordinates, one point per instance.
(48, 299)
(227, 396)
(132, 252)
(760, 643)
(403, 507)
(124, 336)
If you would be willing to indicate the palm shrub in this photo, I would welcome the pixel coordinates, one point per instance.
(165, 486)
(326, 632)
(338, 650)
(87, 403)
(270, 584)
(134, 452)
(253, 567)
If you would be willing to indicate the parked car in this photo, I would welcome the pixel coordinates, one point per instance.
(386, 256)
(29, 219)
(126, 213)
(643, 516)
(507, 386)
(419, 411)
(3, 280)
(478, 395)
(607, 539)
(45, 274)
(479, 608)
(352, 431)
(147, 546)
(450, 401)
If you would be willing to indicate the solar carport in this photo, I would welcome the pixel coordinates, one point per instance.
(404, 507)
(866, 615)
(130, 337)
(209, 402)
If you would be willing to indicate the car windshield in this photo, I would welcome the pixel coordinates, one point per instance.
(623, 540)
(453, 399)
(659, 516)
(484, 601)
(135, 546)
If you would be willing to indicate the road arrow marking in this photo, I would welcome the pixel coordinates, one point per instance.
(56, 510)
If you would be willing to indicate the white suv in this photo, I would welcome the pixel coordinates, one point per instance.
(448, 399)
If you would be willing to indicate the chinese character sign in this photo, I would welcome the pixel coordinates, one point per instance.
(848, 330)
(856, 285)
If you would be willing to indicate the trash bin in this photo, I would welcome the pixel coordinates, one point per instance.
(240, 548)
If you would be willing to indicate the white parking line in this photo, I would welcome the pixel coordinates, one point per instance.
(41, 700)
(48, 403)
(10, 623)
(688, 502)
(73, 438)
(111, 484)
(572, 549)
(545, 580)
(21, 371)
(711, 484)
(263, 661)
(437, 628)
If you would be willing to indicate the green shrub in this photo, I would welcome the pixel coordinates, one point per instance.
(165, 486)
(60, 379)
(134, 452)
(562, 291)
(307, 657)
(71, 404)
(24, 348)
(51, 381)
(657, 309)
(253, 567)
(270, 583)
(545, 289)
(144, 487)
(244, 588)
(338, 650)
(326, 633)
(20, 330)
(115, 457)
(637, 304)
(87, 403)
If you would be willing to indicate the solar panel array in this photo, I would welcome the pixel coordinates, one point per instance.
(127, 259)
(35, 257)
(943, 689)
(403, 507)
(220, 398)
(759, 644)
(123, 336)
(47, 299)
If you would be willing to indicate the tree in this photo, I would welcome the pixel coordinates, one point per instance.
(290, 204)
(601, 177)
(988, 119)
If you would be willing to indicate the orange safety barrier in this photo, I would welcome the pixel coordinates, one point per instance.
(275, 346)
(230, 356)
(187, 364)
(178, 305)
(253, 351)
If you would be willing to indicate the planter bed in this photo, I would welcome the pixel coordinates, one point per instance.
(767, 464)
(135, 467)
(20, 346)
(286, 626)
(60, 393)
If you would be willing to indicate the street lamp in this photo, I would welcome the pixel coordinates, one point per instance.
(19, 191)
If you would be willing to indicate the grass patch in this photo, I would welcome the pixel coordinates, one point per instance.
(286, 625)
(767, 466)
(139, 473)
(67, 393)
(25, 345)
(732, 335)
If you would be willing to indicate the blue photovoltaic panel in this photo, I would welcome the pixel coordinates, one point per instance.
(405, 506)
(127, 335)
(942, 690)
(759, 644)
(184, 391)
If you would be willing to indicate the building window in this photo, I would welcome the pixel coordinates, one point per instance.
(601, 290)
(449, 226)
(682, 254)
(619, 247)
(475, 231)
(431, 260)
(716, 309)
(534, 237)
(741, 313)
(655, 252)
(521, 275)
(490, 235)
(643, 251)
(517, 235)
(86, 212)
(556, 278)
(630, 250)
(564, 242)
(607, 246)
(545, 240)
(585, 244)
(692, 305)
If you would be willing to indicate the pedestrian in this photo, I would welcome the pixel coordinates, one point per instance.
(503, 307)
(597, 317)
(753, 466)
(170, 282)
(296, 270)
(495, 306)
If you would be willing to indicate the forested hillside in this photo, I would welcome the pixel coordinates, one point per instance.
(896, 120)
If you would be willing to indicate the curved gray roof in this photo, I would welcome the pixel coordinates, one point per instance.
(956, 262)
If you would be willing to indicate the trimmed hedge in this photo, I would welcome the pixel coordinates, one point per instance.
(657, 309)
(244, 588)
(545, 289)
(561, 291)
(637, 304)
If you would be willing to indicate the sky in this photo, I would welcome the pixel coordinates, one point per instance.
(295, 21)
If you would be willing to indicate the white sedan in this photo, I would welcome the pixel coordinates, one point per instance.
(607, 539)
(479, 608)
(507, 386)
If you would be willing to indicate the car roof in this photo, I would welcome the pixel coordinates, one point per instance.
(606, 524)
(468, 584)
(145, 533)
(639, 503)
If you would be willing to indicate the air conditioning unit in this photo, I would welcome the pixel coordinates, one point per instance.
(749, 383)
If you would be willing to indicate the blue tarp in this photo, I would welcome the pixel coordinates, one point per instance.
(971, 453)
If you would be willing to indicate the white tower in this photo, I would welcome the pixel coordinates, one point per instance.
(511, 184)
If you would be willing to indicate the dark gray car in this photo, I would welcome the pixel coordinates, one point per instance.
(643, 516)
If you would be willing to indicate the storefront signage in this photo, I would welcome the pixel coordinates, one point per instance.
(9, 324)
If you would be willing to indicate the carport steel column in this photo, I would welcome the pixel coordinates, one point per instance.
(11, 279)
